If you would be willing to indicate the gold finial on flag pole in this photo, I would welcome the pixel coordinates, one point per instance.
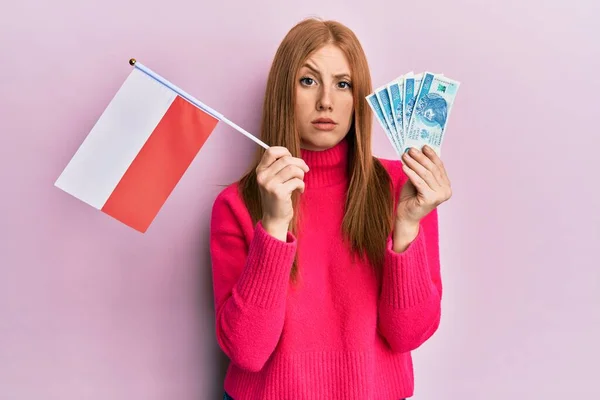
(132, 61)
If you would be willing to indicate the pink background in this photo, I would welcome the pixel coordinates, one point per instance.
(91, 309)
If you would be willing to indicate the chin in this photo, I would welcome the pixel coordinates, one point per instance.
(321, 141)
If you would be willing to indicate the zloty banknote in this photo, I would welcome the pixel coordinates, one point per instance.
(412, 84)
(390, 104)
(431, 111)
(393, 105)
(396, 93)
(385, 102)
(376, 107)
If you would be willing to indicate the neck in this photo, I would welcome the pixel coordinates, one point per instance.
(327, 167)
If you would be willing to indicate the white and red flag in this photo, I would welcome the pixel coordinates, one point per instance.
(139, 148)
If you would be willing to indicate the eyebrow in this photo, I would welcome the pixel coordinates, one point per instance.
(316, 71)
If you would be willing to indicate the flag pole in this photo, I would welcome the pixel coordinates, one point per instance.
(133, 62)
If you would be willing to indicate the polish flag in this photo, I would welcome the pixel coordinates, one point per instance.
(139, 149)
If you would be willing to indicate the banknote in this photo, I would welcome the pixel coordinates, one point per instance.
(379, 114)
(396, 93)
(412, 84)
(395, 106)
(432, 108)
(386, 106)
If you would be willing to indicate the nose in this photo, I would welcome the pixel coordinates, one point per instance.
(324, 102)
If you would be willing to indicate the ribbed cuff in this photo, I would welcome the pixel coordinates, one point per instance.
(266, 274)
(406, 276)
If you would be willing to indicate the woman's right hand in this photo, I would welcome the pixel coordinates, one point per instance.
(278, 174)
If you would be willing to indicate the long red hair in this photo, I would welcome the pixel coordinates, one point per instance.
(368, 218)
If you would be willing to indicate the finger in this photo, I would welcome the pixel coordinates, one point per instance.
(432, 155)
(271, 155)
(269, 173)
(428, 163)
(422, 165)
(293, 184)
(288, 160)
(420, 184)
(282, 163)
(289, 172)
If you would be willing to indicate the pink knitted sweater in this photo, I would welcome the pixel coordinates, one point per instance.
(341, 332)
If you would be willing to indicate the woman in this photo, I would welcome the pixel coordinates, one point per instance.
(325, 259)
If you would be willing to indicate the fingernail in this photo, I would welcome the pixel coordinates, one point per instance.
(413, 151)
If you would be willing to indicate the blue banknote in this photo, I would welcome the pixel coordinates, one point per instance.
(412, 84)
(431, 111)
(395, 92)
(413, 109)
(379, 114)
(386, 106)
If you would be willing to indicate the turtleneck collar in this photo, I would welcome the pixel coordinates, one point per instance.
(327, 167)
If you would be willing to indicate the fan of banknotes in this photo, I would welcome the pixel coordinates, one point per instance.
(413, 109)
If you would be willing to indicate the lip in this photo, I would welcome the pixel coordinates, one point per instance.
(324, 124)
(323, 121)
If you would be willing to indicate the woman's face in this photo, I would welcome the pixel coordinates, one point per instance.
(324, 102)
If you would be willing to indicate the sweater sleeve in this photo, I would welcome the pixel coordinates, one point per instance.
(410, 299)
(250, 280)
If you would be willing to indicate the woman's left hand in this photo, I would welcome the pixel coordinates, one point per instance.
(427, 187)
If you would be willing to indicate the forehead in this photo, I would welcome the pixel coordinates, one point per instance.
(329, 59)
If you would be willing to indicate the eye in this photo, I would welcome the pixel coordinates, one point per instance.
(345, 85)
(307, 81)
